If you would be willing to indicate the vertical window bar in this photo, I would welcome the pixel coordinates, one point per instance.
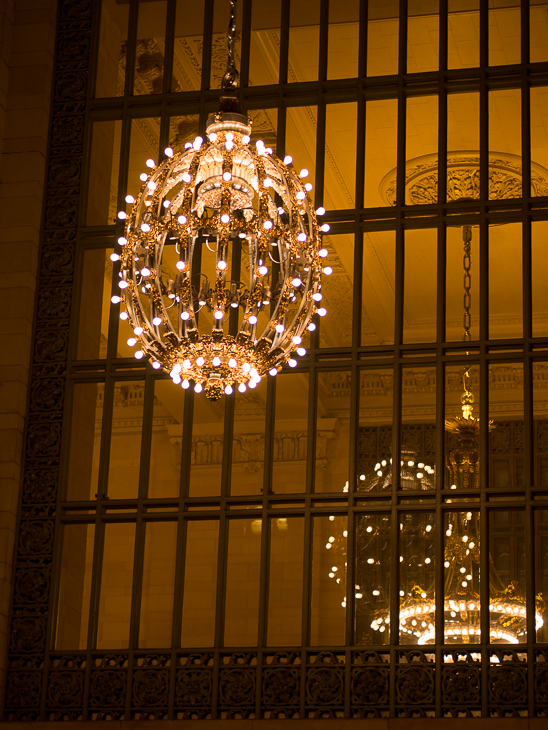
(362, 62)
(246, 42)
(207, 46)
(284, 41)
(146, 437)
(138, 561)
(324, 30)
(131, 47)
(168, 50)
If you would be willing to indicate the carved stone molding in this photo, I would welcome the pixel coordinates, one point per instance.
(47, 387)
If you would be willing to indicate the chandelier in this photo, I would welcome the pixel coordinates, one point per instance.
(461, 600)
(221, 257)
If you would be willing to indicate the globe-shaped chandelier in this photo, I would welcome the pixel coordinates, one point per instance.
(221, 259)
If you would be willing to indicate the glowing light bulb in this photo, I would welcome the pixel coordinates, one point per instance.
(242, 388)
(273, 372)
(181, 219)
(227, 176)
(225, 218)
(114, 257)
(288, 160)
(198, 388)
(232, 363)
(323, 253)
(325, 228)
(139, 354)
(200, 361)
(263, 270)
(229, 390)
(252, 319)
(303, 172)
(221, 265)
(123, 284)
(124, 315)
(185, 384)
(122, 215)
(216, 361)
(328, 271)
(143, 177)
(157, 321)
(145, 227)
(181, 265)
(292, 362)
(322, 311)
(218, 314)
(150, 163)
(115, 299)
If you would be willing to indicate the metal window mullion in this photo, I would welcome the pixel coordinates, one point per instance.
(270, 430)
(484, 532)
(530, 600)
(186, 448)
(177, 614)
(284, 41)
(137, 585)
(352, 481)
(306, 600)
(131, 47)
(357, 292)
(324, 41)
(209, 9)
(169, 47)
(362, 44)
(264, 586)
(246, 41)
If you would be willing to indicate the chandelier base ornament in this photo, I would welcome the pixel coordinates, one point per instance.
(222, 257)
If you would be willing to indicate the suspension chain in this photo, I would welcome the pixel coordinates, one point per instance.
(230, 79)
(467, 238)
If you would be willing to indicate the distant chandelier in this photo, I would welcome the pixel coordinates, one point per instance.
(461, 600)
(222, 257)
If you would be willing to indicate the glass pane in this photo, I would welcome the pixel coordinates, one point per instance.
(116, 581)
(200, 584)
(332, 431)
(504, 35)
(207, 447)
(166, 443)
(104, 164)
(463, 34)
(507, 578)
(290, 434)
(285, 592)
(504, 144)
(144, 145)
(539, 277)
(540, 423)
(417, 582)
(248, 441)
(264, 127)
(150, 45)
(375, 431)
(539, 140)
(462, 428)
(422, 36)
(463, 280)
(373, 570)
(188, 46)
(182, 129)
(378, 301)
(462, 146)
(421, 139)
(337, 291)
(74, 587)
(505, 281)
(340, 156)
(506, 437)
(418, 436)
(381, 127)
(300, 141)
(158, 585)
(264, 58)
(125, 440)
(304, 41)
(85, 431)
(461, 578)
(242, 583)
(328, 597)
(538, 28)
(420, 286)
(95, 304)
(382, 38)
(111, 62)
(343, 40)
(541, 573)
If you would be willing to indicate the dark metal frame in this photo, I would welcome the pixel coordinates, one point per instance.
(349, 681)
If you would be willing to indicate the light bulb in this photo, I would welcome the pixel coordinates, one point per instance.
(185, 384)
(227, 176)
(288, 160)
(213, 137)
(115, 299)
(279, 327)
(297, 281)
(246, 367)
(229, 390)
(139, 354)
(157, 321)
(137, 331)
(145, 271)
(186, 177)
(198, 388)
(123, 284)
(122, 215)
(221, 265)
(311, 327)
(181, 265)
(150, 163)
(122, 241)
(186, 364)
(156, 365)
(308, 187)
(328, 271)
(297, 340)
(200, 361)
(130, 199)
(232, 363)
(252, 319)
(263, 270)
(301, 351)
(320, 211)
(323, 252)
(246, 139)
(197, 144)
(181, 219)
(185, 315)
(114, 257)
(317, 297)
(145, 227)
(216, 361)
(267, 225)
(301, 237)
(273, 372)
(218, 314)
(303, 172)
(325, 228)
(225, 218)
(132, 341)
(322, 311)
(124, 315)
(300, 195)
(242, 388)
(143, 177)
(151, 185)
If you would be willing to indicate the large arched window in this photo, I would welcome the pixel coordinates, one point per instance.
(344, 540)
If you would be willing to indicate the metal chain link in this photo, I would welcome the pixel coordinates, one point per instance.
(467, 238)
(230, 79)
